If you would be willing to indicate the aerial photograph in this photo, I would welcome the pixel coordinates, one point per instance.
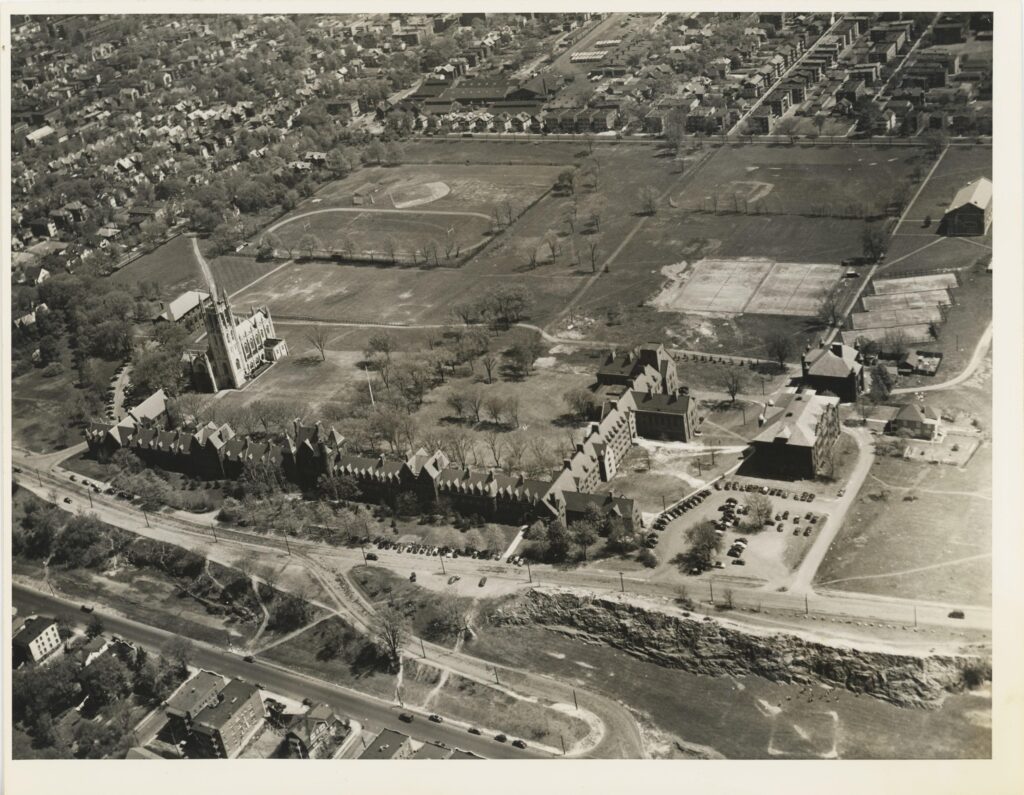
(505, 386)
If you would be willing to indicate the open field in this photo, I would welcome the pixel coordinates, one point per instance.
(746, 717)
(172, 266)
(408, 207)
(919, 531)
(799, 179)
(959, 166)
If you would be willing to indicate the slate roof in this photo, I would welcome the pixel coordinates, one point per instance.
(795, 420)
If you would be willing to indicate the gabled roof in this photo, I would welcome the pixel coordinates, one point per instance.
(183, 304)
(977, 193)
(795, 419)
(150, 408)
(913, 412)
(838, 361)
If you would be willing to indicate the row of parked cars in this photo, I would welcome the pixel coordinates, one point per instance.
(732, 485)
(408, 717)
(679, 509)
(429, 550)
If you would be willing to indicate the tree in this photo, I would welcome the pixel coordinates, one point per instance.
(894, 343)
(511, 408)
(780, 347)
(496, 444)
(760, 510)
(474, 402)
(787, 126)
(557, 542)
(647, 197)
(881, 383)
(494, 405)
(584, 533)
(391, 629)
(579, 401)
(178, 653)
(732, 383)
(106, 680)
(873, 241)
(592, 251)
(566, 182)
(489, 360)
(525, 352)
(317, 337)
(338, 487)
(830, 310)
(95, 627)
(704, 545)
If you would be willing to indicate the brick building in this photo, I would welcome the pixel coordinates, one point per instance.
(797, 435)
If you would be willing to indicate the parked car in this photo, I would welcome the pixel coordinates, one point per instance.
(474, 730)
(435, 718)
(87, 608)
(412, 577)
(739, 562)
(500, 738)
(249, 658)
(67, 500)
(956, 614)
(518, 743)
(807, 531)
(371, 556)
(405, 717)
(453, 579)
(482, 583)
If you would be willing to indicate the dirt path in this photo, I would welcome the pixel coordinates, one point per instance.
(381, 210)
(263, 607)
(976, 494)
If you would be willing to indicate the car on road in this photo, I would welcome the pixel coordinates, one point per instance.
(67, 500)
(412, 577)
(435, 718)
(474, 730)
(372, 556)
(842, 492)
(518, 743)
(405, 717)
(249, 658)
(307, 701)
(500, 738)
(73, 477)
(482, 583)
(956, 614)
(739, 562)
(87, 608)
(454, 579)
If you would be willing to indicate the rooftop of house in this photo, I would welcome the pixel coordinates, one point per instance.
(578, 502)
(835, 361)
(32, 629)
(977, 193)
(385, 745)
(195, 692)
(794, 419)
(231, 699)
(913, 412)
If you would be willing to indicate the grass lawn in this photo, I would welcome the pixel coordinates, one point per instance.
(748, 718)
(491, 709)
(172, 266)
(423, 607)
(798, 179)
(919, 531)
(352, 663)
(234, 273)
(959, 166)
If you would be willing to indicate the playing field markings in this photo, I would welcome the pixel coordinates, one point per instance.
(795, 292)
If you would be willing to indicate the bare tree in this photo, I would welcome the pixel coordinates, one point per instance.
(457, 444)
(515, 445)
(474, 402)
(496, 444)
(830, 311)
(494, 405)
(391, 249)
(489, 360)
(579, 401)
(732, 383)
(390, 631)
(648, 199)
(780, 347)
(512, 410)
(592, 250)
(760, 510)
(318, 338)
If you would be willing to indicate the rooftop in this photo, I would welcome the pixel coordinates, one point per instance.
(192, 694)
(794, 419)
(236, 693)
(977, 193)
(385, 745)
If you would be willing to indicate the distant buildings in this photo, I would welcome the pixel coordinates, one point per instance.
(797, 435)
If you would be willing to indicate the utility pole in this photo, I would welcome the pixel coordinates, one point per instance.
(39, 477)
(441, 558)
(915, 615)
(146, 517)
(712, 456)
(287, 546)
(88, 494)
(213, 527)
(423, 648)
(807, 606)
(528, 572)
(574, 701)
(495, 669)
(362, 549)
(622, 583)
(562, 739)
(711, 585)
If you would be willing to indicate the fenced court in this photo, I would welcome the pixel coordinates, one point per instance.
(886, 318)
(918, 300)
(915, 284)
(750, 284)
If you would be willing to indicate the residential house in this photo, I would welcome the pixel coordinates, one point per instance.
(37, 639)
(918, 420)
(316, 734)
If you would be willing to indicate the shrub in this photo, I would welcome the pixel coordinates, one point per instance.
(53, 369)
(648, 558)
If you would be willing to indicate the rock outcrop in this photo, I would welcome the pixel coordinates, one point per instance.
(664, 635)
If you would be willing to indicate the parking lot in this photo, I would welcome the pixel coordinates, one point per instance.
(766, 556)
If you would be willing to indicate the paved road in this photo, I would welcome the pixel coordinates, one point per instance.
(371, 712)
(804, 575)
(170, 526)
(976, 359)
